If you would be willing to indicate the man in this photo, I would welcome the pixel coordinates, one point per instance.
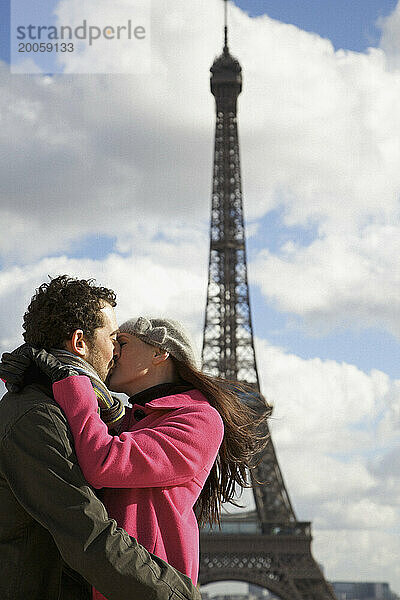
(56, 539)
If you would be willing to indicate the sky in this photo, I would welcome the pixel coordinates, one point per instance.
(108, 175)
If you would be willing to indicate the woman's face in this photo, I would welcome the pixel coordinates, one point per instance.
(133, 365)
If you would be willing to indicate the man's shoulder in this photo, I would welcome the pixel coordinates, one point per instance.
(34, 402)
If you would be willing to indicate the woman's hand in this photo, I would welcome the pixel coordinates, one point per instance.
(14, 365)
(51, 366)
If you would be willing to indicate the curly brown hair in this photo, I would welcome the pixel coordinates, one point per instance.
(60, 307)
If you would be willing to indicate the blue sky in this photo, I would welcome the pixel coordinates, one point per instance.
(349, 24)
(4, 30)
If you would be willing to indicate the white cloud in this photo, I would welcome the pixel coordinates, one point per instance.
(318, 130)
(359, 555)
(84, 165)
(101, 55)
(26, 66)
(319, 397)
(131, 156)
(341, 279)
(362, 514)
(390, 28)
(338, 455)
(172, 284)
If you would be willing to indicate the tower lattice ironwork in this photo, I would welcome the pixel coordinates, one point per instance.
(268, 546)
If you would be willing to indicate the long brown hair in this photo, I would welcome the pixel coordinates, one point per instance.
(244, 439)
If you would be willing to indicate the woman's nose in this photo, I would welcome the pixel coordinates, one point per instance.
(117, 350)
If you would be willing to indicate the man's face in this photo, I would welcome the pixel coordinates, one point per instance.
(104, 346)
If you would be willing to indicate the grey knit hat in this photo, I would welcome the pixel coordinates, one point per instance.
(166, 334)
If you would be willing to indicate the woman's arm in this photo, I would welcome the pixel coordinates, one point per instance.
(43, 474)
(186, 442)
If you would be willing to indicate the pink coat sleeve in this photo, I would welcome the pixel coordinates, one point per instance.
(171, 453)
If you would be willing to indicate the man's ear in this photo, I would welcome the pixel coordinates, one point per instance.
(160, 356)
(77, 344)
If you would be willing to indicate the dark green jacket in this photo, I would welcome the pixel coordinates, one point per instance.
(55, 535)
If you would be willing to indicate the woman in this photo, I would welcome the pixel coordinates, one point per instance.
(171, 454)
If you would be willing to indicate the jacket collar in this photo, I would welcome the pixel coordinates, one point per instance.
(168, 396)
(159, 391)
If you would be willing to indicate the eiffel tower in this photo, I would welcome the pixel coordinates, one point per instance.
(268, 546)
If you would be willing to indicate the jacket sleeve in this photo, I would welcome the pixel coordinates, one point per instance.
(184, 444)
(41, 468)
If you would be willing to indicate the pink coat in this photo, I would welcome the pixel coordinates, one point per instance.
(154, 471)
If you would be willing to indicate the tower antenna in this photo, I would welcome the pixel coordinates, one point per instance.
(226, 24)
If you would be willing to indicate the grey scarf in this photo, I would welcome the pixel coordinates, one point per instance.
(111, 408)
